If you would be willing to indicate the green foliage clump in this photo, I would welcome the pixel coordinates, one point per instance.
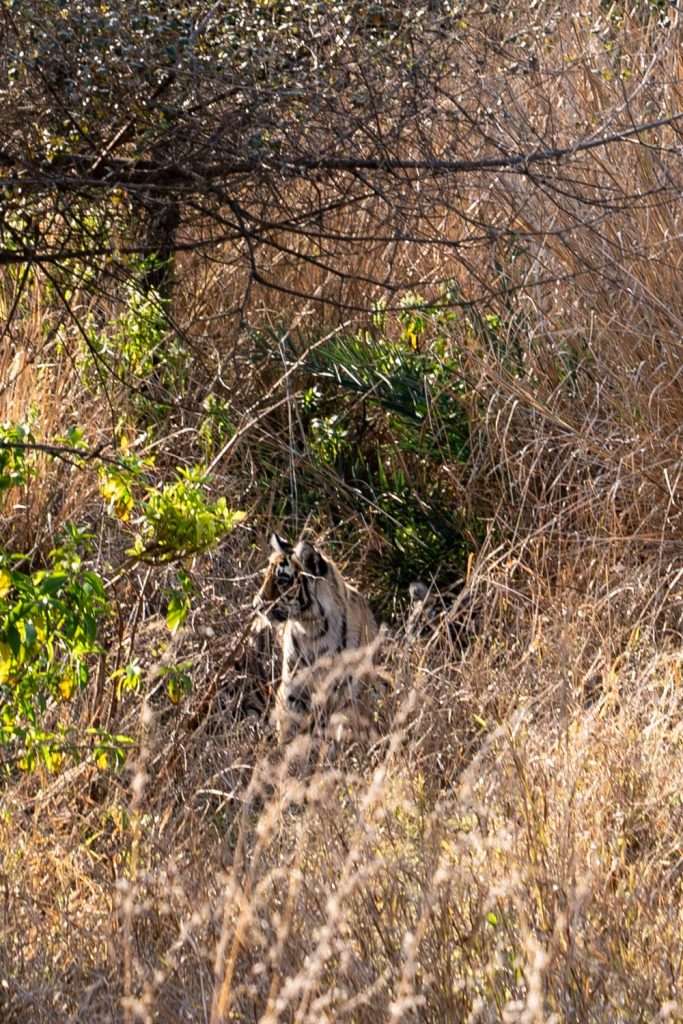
(51, 616)
(176, 520)
(180, 602)
(217, 424)
(170, 522)
(139, 332)
(15, 466)
(120, 483)
(48, 632)
(414, 377)
(137, 344)
(387, 410)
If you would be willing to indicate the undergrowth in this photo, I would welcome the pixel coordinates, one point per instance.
(508, 849)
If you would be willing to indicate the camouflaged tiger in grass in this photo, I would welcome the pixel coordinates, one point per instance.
(323, 619)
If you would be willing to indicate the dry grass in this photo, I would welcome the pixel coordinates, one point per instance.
(509, 849)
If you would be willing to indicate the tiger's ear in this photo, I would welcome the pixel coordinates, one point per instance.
(311, 560)
(279, 545)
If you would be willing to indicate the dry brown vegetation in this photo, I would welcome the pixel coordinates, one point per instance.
(510, 848)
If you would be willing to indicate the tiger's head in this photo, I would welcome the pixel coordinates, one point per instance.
(290, 577)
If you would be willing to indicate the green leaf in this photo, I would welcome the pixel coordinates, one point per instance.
(178, 684)
(89, 626)
(30, 635)
(94, 582)
(13, 639)
(177, 610)
(5, 582)
(6, 660)
(53, 583)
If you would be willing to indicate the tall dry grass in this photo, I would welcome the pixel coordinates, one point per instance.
(509, 850)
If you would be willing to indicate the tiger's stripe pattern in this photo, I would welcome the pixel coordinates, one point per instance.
(321, 617)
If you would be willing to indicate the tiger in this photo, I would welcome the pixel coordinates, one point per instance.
(327, 634)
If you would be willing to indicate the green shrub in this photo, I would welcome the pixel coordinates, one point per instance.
(49, 622)
(51, 616)
(15, 462)
(387, 411)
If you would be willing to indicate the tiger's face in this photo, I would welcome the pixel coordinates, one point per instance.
(286, 592)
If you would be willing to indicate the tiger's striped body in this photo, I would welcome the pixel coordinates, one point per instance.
(323, 617)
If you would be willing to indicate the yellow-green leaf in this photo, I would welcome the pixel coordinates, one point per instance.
(67, 685)
(5, 662)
